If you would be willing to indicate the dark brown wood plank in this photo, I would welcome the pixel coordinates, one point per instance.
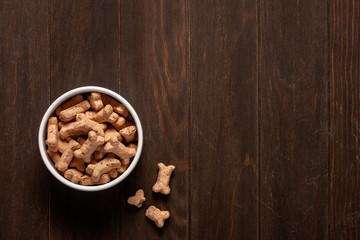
(84, 44)
(24, 78)
(344, 60)
(293, 120)
(84, 51)
(224, 128)
(153, 77)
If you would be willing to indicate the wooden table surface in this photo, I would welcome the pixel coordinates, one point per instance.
(257, 103)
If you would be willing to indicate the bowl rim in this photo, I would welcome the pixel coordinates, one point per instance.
(42, 131)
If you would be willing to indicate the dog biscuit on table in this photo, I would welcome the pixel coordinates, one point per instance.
(138, 199)
(163, 179)
(157, 215)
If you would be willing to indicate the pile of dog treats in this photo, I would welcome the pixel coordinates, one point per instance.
(161, 186)
(91, 139)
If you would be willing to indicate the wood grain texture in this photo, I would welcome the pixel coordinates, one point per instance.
(84, 44)
(153, 77)
(224, 128)
(293, 120)
(256, 103)
(84, 51)
(24, 77)
(344, 40)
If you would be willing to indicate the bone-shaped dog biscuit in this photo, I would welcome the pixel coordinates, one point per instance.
(75, 100)
(138, 199)
(119, 149)
(88, 148)
(157, 215)
(52, 134)
(118, 107)
(73, 175)
(125, 162)
(87, 181)
(95, 101)
(117, 121)
(71, 112)
(104, 166)
(83, 125)
(109, 132)
(163, 179)
(128, 133)
(67, 156)
(101, 116)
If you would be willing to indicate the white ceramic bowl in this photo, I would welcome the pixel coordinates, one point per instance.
(43, 130)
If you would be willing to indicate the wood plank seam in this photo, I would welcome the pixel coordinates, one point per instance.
(189, 81)
(49, 98)
(258, 105)
(329, 115)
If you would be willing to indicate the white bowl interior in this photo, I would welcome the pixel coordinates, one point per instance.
(42, 136)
